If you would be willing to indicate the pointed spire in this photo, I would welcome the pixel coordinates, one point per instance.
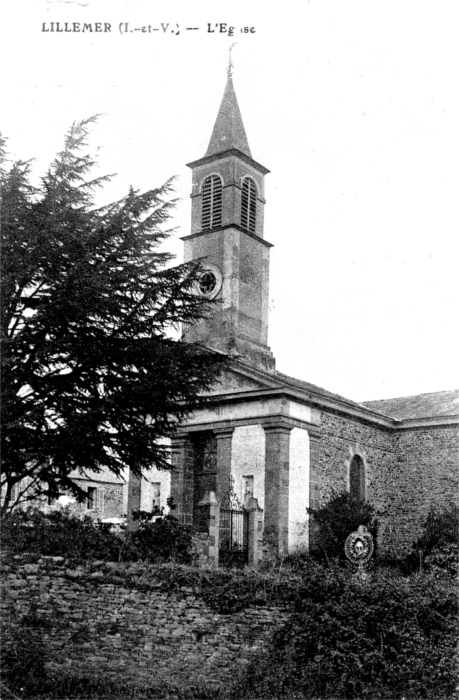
(229, 129)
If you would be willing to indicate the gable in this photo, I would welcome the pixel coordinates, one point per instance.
(234, 381)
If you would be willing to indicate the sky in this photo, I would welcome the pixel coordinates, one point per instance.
(353, 107)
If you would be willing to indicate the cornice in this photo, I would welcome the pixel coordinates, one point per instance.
(272, 422)
(276, 387)
(224, 228)
(229, 152)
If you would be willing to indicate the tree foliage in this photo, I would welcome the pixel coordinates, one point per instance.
(91, 378)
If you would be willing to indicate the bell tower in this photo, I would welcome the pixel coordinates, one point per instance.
(227, 233)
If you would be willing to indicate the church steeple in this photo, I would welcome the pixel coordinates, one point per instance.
(227, 232)
(229, 129)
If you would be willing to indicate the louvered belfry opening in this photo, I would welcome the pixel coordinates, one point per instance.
(211, 202)
(249, 205)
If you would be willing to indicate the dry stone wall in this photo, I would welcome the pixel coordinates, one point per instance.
(120, 622)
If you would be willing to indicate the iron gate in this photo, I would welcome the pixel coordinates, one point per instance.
(234, 532)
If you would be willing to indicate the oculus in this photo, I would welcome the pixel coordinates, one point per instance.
(210, 281)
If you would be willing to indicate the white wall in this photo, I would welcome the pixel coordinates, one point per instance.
(248, 458)
(146, 494)
(155, 476)
(298, 489)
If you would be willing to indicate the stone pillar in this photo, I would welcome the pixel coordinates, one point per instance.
(314, 486)
(134, 489)
(255, 532)
(223, 437)
(208, 526)
(277, 461)
(182, 477)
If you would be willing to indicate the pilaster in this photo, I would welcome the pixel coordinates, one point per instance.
(314, 485)
(277, 465)
(182, 477)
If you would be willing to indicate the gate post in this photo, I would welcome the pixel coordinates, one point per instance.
(255, 539)
(208, 526)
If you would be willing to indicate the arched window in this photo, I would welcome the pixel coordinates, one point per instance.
(357, 478)
(211, 202)
(249, 204)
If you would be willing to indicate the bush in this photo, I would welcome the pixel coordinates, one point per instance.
(391, 638)
(59, 534)
(164, 539)
(437, 549)
(336, 520)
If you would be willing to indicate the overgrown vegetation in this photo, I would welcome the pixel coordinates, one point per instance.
(61, 534)
(163, 539)
(392, 638)
(437, 549)
(334, 521)
(58, 534)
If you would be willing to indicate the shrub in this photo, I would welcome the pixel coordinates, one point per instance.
(336, 520)
(59, 534)
(164, 539)
(437, 547)
(391, 638)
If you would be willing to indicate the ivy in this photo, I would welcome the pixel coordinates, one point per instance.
(391, 638)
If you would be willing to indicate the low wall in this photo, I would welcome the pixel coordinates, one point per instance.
(118, 621)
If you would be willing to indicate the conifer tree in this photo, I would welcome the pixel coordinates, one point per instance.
(91, 376)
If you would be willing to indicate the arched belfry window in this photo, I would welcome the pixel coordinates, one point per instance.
(211, 202)
(357, 478)
(249, 204)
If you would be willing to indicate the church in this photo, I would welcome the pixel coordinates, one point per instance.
(264, 435)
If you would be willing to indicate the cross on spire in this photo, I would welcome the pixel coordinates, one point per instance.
(230, 61)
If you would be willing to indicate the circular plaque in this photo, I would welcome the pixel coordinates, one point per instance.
(359, 546)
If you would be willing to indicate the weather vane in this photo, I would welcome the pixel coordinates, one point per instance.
(230, 61)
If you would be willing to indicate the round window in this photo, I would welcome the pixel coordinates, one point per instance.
(210, 281)
(207, 282)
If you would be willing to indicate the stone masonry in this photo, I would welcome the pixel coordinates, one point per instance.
(95, 620)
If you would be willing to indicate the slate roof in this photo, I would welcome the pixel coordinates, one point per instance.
(104, 476)
(440, 403)
(423, 406)
(229, 129)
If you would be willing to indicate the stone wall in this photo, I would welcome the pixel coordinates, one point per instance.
(341, 437)
(121, 622)
(407, 471)
(425, 474)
